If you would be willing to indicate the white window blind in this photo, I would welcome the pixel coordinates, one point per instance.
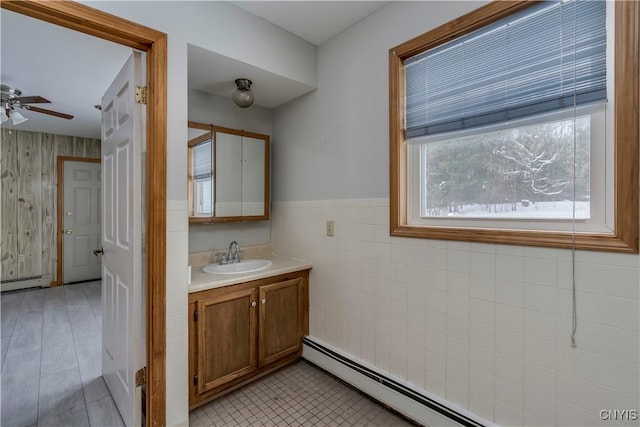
(202, 161)
(548, 57)
(202, 174)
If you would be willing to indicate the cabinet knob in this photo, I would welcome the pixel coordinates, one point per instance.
(264, 301)
(253, 304)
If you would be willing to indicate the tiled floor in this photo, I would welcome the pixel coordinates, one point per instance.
(298, 395)
(51, 359)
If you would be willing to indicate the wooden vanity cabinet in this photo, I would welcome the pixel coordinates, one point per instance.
(279, 333)
(239, 333)
(226, 335)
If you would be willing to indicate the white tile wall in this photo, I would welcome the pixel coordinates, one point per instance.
(486, 327)
(177, 332)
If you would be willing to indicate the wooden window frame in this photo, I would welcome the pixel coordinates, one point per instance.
(626, 135)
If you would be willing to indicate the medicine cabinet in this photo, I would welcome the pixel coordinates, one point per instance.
(228, 177)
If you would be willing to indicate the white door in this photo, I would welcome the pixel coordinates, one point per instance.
(123, 317)
(82, 230)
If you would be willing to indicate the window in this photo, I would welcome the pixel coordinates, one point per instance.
(511, 124)
(202, 179)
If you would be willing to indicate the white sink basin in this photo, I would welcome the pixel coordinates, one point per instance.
(244, 266)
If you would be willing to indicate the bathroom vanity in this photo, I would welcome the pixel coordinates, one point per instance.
(243, 326)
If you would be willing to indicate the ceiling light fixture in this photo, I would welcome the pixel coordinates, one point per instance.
(243, 95)
(11, 99)
(17, 118)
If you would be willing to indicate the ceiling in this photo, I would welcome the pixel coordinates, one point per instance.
(313, 21)
(215, 74)
(61, 66)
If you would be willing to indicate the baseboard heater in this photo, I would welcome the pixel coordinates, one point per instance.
(23, 283)
(22, 279)
(444, 415)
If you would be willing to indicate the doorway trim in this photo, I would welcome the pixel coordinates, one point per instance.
(94, 22)
(59, 280)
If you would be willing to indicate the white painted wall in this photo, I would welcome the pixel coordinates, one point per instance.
(222, 28)
(485, 327)
(333, 143)
(207, 108)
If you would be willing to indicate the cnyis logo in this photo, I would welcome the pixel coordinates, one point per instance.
(619, 414)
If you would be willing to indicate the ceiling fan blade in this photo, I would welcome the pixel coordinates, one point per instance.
(31, 100)
(49, 112)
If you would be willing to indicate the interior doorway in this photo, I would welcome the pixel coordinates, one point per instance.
(103, 25)
(79, 220)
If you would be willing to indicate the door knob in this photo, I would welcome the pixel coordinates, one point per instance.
(98, 252)
(264, 301)
(68, 231)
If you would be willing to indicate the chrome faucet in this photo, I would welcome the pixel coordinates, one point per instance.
(232, 255)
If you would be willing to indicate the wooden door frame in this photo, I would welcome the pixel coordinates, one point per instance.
(60, 209)
(100, 24)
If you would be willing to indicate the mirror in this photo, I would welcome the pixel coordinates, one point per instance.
(228, 174)
(200, 180)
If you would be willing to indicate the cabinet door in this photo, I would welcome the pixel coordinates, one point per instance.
(280, 320)
(226, 338)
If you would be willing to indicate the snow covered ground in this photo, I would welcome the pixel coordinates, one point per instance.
(540, 210)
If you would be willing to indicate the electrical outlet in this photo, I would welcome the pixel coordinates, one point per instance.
(331, 225)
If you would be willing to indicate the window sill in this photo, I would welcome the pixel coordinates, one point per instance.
(586, 241)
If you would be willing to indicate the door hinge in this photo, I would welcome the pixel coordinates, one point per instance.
(141, 377)
(141, 94)
(195, 316)
(195, 379)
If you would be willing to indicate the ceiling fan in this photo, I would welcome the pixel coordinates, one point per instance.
(11, 99)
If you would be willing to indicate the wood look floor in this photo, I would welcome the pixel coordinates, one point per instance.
(51, 359)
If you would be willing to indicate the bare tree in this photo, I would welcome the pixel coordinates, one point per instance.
(532, 160)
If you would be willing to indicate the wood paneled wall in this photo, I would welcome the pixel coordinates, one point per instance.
(29, 197)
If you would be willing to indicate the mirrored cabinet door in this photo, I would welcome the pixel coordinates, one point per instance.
(253, 176)
(228, 174)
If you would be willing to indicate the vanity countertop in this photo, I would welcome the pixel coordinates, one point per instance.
(201, 281)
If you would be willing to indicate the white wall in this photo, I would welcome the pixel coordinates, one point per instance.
(211, 109)
(333, 143)
(225, 29)
(485, 327)
(222, 28)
